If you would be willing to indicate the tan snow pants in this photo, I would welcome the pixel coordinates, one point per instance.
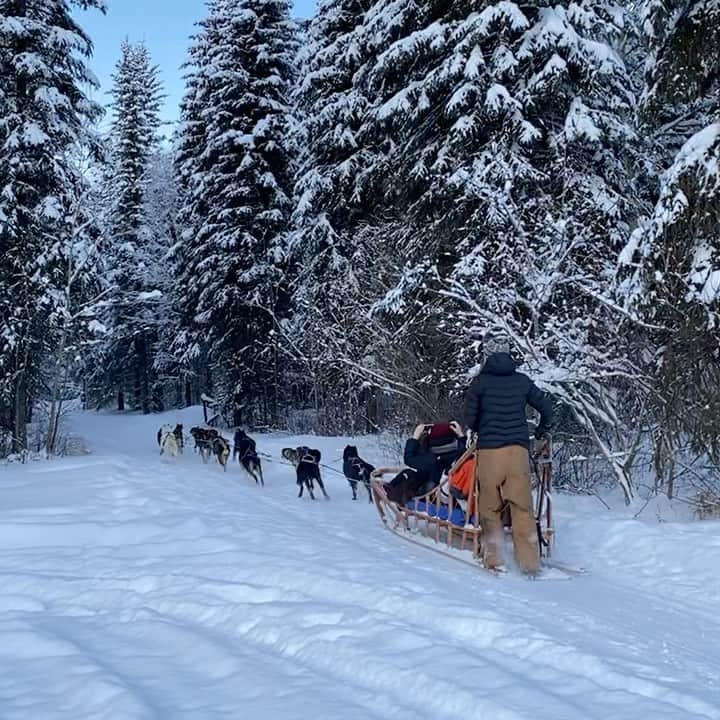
(504, 476)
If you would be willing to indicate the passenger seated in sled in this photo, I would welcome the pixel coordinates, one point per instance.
(432, 450)
(429, 454)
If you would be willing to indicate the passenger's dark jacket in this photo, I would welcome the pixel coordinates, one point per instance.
(430, 467)
(495, 404)
(424, 471)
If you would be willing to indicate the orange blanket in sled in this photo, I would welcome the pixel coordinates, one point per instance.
(462, 475)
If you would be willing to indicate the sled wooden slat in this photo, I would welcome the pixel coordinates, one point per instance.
(433, 527)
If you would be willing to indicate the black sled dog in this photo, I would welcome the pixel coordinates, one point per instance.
(179, 437)
(245, 452)
(307, 468)
(356, 470)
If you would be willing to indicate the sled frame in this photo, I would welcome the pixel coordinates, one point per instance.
(409, 522)
(401, 519)
(542, 470)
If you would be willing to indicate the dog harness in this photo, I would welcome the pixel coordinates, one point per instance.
(358, 468)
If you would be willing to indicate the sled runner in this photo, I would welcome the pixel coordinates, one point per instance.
(447, 518)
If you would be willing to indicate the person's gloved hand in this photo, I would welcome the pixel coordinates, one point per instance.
(419, 432)
(455, 427)
(541, 440)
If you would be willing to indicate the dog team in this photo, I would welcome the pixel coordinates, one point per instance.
(208, 441)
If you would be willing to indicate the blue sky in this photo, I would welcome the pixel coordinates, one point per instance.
(164, 26)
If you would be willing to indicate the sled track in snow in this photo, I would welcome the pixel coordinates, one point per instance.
(500, 649)
(573, 662)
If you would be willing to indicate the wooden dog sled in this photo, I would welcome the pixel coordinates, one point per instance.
(440, 521)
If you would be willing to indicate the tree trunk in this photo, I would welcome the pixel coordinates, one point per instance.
(188, 393)
(237, 409)
(121, 400)
(20, 419)
(54, 426)
(144, 379)
(621, 472)
(136, 384)
(209, 380)
(56, 393)
(158, 397)
(142, 389)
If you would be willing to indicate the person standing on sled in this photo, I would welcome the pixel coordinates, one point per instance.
(495, 410)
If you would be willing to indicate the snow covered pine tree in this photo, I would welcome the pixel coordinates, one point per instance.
(234, 176)
(672, 261)
(135, 251)
(329, 261)
(79, 302)
(510, 123)
(44, 114)
(352, 207)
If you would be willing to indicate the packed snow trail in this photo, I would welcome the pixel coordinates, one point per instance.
(140, 588)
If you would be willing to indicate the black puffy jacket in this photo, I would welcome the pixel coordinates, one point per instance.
(495, 404)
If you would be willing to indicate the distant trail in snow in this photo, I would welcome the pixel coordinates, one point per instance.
(138, 588)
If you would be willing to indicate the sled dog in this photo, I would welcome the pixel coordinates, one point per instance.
(221, 450)
(245, 452)
(179, 437)
(177, 432)
(204, 438)
(356, 470)
(307, 468)
(167, 441)
(291, 455)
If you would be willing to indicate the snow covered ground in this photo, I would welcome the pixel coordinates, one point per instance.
(137, 588)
